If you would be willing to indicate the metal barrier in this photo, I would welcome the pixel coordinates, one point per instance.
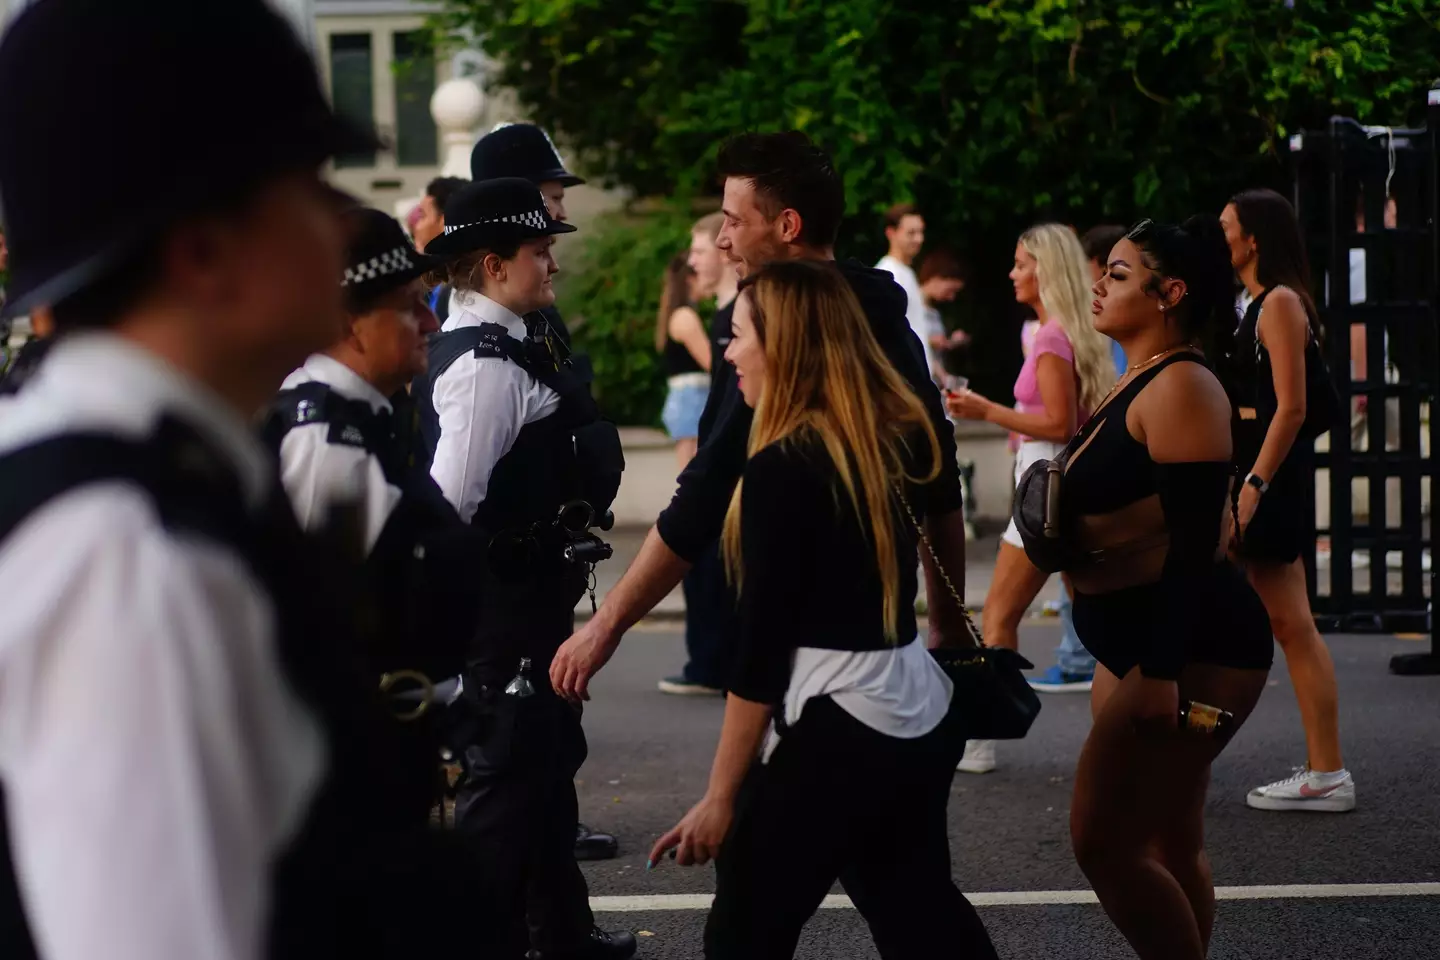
(1367, 201)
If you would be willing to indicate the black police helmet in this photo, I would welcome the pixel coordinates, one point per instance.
(160, 110)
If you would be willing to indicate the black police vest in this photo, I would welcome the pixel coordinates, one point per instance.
(359, 879)
(572, 454)
(421, 601)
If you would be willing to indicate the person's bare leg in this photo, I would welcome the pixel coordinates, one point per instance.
(1016, 585)
(1100, 690)
(1312, 671)
(1114, 818)
(685, 449)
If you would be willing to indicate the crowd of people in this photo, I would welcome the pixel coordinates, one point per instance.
(296, 505)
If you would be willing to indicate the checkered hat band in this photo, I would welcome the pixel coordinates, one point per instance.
(392, 261)
(533, 218)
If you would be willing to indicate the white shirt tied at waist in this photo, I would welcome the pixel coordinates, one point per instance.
(482, 404)
(900, 691)
(154, 760)
(317, 473)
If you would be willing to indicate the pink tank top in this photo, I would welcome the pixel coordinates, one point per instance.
(1050, 338)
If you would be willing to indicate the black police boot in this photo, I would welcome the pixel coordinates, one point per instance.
(594, 846)
(601, 945)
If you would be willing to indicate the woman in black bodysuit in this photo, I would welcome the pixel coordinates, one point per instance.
(1165, 614)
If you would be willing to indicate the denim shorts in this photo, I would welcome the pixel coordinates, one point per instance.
(683, 406)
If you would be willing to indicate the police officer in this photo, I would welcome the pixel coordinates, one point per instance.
(177, 725)
(524, 150)
(341, 426)
(521, 452)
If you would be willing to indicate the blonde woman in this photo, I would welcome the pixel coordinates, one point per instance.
(841, 452)
(1066, 374)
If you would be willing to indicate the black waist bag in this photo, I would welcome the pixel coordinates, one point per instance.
(1038, 519)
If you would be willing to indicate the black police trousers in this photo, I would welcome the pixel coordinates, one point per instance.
(516, 803)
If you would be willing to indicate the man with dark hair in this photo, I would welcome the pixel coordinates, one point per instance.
(168, 626)
(428, 223)
(905, 234)
(783, 201)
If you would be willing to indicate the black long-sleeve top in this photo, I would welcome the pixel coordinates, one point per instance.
(810, 573)
(696, 513)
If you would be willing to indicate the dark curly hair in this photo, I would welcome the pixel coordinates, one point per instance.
(1196, 253)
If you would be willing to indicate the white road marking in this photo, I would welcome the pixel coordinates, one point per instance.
(663, 903)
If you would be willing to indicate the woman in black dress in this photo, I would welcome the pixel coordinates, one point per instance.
(1167, 617)
(821, 540)
(1274, 344)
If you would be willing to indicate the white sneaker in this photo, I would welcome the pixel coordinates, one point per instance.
(979, 757)
(1306, 790)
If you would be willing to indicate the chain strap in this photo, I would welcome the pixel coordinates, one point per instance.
(940, 568)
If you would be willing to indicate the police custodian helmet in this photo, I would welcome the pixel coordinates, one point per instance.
(186, 124)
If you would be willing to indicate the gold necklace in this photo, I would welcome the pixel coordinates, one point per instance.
(1135, 367)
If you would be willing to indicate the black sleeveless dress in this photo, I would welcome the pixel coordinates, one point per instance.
(1284, 521)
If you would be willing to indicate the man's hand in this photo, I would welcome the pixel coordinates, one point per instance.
(580, 658)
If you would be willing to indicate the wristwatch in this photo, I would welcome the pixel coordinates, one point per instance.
(1253, 480)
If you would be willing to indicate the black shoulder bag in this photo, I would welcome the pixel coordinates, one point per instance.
(992, 697)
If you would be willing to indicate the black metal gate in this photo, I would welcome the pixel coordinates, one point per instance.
(1367, 200)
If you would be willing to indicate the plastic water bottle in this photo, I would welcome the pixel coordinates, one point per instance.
(521, 685)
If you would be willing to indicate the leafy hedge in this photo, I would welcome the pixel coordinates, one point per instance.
(991, 115)
(609, 298)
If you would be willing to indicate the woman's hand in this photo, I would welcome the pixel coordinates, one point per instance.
(968, 405)
(1249, 501)
(698, 835)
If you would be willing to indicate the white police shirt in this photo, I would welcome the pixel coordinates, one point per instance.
(317, 473)
(154, 759)
(482, 404)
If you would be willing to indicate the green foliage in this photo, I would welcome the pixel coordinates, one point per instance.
(991, 115)
(610, 297)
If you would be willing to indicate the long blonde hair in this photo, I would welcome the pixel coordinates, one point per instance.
(828, 379)
(1063, 273)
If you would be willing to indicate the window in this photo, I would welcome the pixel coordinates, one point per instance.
(352, 81)
(416, 139)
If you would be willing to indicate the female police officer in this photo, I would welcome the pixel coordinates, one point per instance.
(175, 722)
(519, 449)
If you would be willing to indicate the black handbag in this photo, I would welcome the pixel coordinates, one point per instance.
(992, 698)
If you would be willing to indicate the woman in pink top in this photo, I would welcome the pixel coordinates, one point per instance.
(1067, 372)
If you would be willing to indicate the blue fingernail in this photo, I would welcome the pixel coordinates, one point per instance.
(649, 864)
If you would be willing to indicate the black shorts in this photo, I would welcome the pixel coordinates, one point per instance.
(1284, 521)
(1118, 627)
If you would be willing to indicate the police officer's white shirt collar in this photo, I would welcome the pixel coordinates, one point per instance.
(476, 308)
(322, 368)
(100, 380)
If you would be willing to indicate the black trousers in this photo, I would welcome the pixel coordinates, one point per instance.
(840, 801)
(516, 802)
(712, 621)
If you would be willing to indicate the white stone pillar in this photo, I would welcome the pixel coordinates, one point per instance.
(457, 106)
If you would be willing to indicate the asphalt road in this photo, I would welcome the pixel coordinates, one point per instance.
(650, 756)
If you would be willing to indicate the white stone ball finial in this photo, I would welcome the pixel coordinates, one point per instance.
(457, 106)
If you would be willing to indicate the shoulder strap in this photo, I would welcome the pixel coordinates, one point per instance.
(486, 340)
(351, 422)
(191, 487)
